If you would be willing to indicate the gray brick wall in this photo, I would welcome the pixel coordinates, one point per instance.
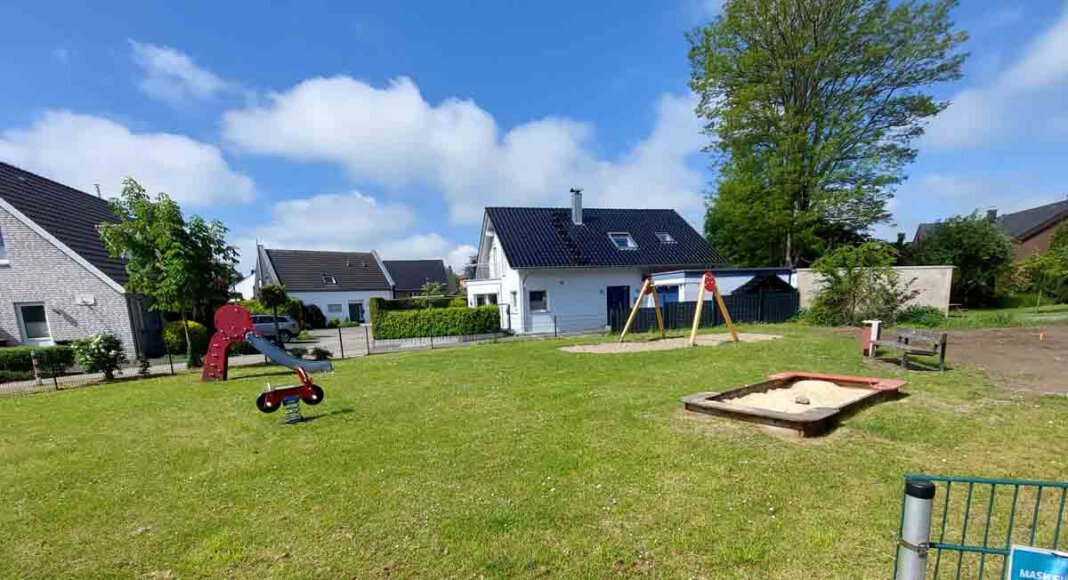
(39, 272)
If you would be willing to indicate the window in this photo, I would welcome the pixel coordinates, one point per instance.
(34, 323)
(539, 301)
(329, 279)
(485, 299)
(622, 240)
(333, 308)
(665, 238)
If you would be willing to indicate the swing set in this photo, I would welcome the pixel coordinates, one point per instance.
(708, 284)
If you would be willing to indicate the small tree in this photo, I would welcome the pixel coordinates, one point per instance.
(274, 296)
(1047, 273)
(979, 250)
(431, 290)
(859, 282)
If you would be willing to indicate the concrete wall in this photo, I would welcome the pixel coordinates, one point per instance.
(39, 272)
(340, 298)
(932, 282)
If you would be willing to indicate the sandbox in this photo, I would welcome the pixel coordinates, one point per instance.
(666, 343)
(796, 403)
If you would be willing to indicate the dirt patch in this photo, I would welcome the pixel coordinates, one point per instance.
(666, 344)
(1016, 358)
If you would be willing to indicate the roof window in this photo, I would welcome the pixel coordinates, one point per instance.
(665, 238)
(622, 240)
(329, 279)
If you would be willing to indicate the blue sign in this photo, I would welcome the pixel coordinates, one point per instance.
(1027, 563)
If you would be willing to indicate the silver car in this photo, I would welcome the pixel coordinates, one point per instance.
(287, 327)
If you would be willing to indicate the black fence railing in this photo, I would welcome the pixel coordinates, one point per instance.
(760, 307)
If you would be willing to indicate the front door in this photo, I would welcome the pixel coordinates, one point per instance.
(356, 311)
(618, 299)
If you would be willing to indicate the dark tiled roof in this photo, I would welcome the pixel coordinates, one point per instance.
(546, 238)
(1023, 224)
(409, 275)
(302, 270)
(71, 216)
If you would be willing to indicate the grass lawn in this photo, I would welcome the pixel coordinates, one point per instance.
(510, 459)
(1011, 316)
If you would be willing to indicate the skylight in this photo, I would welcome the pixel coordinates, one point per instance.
(329, 279)
(665, 238)
(622, 240)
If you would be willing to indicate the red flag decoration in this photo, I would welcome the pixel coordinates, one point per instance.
(710, 282)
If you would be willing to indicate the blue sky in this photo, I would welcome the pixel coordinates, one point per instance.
(389, 125)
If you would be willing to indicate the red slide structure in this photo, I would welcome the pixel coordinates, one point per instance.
(234, 324)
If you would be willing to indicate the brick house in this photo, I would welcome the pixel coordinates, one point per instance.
(57, 281)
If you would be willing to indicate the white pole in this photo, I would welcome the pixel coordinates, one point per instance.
(915, 530)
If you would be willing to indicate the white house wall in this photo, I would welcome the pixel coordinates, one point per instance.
(77, 303)
(577, 298)
(324, 299)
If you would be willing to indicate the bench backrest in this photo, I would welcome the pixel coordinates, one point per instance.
(935, 338)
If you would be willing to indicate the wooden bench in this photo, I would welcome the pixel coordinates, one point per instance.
(920, 342)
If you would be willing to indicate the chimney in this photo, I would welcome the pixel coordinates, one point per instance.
(576, 206)
(992, 215)
(901, 238)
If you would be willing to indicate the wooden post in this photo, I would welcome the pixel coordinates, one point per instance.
(726, 315)
(697, 313)
(634, 311)
(656, 307)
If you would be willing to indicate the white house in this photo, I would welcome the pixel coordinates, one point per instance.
(565, 270)
(246, 287)
(340, 284)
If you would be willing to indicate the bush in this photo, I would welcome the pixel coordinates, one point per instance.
(436, 322)
(6, 376)
(334, 323)
(980, 251)
(17, 358)
(925, 316)
(174, 338)
(458, 302)
(298, 352)
(100, 354)
(318, 353)
(859, 283)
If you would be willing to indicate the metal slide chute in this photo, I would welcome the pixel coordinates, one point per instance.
(279, 356)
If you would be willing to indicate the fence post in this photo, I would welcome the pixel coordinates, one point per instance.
(431, 342)
(760, 305)
(915, 530)
(170, 361)
(52, 367)
(340, 342)
(367, 339)
(35, 362)
(555, 333)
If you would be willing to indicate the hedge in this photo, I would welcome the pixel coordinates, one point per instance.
(436, 322)
(17, 358)
(174, 337)
(416, 302)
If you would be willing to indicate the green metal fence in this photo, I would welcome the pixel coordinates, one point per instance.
(975, 522)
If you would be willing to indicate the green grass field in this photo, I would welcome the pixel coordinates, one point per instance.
(1019, 315)
(496, 460)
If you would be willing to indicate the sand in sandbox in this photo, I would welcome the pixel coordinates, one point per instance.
(818, 393)
(666, 343)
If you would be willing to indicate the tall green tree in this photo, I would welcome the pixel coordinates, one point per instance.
(181, 266)
(813, 106)
(274, 296)
(980, 251)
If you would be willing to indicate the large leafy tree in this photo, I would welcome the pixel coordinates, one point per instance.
(182, 266)
(813, 106)
(274, 296)
(980, 251)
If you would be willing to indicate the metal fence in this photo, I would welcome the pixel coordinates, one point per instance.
(759, 307)
(972, 523)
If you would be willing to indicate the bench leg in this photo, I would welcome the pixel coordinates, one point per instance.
(942, 359)
(905, 360)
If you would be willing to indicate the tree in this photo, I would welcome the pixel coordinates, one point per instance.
(813, 106)
(979, 250)
(858, 283)
(274, 296)
(181, 266)
(1048, 273)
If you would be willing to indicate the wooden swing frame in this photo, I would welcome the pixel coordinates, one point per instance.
(708, 283)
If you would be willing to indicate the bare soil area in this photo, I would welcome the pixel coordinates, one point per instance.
(666, 343)
(1033, 358)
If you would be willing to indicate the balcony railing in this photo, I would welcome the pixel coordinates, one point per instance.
(484, 271)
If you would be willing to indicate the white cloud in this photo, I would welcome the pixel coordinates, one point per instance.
(82, 150)
(392, 136)
(1017, 103)
(349, 221)
(171, 76)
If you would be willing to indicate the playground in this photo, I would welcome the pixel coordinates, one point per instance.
(495, 460)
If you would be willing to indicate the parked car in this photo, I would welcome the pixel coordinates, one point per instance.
(287, 327)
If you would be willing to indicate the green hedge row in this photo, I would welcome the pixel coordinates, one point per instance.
(17, 358)
(416, 303)
(435, 322)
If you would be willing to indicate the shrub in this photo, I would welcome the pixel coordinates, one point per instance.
(926, 316)
(334, 323)
(977, 247)
(6, 376)
(319, 353)
(458, 302)
(304, 335)
(298, 351)
(436, 322)
(100, 354)
(174, 338)
(859, 282)
(17, 358)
